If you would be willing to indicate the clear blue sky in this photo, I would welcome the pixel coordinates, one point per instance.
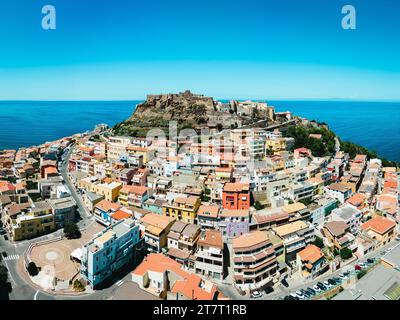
(124, 49)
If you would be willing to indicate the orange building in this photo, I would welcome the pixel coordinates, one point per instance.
(236, 196)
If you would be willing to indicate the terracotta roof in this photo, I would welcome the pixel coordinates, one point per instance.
(356, 199)
(294, 207)
(140, 190)
(338, 187)
(106, 206)
(379, 224)
(211, 238)
(121, 215)
(193, 287)
(209, 211)
(310, 254)
(236, 187)
(235, 213)
(187, 284)
(156, 220)
(249, 239)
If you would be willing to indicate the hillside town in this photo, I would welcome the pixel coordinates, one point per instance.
(241, 212)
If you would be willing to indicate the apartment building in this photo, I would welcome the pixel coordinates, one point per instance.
(311, 262)
(296, 236)
(210, 255)
(25, 221)
(254, 261)
(233, 223)
(109, 251)
(183, 208)
(182, 242)
(103, 186)
(133, 196)
(350, 215)
(103, 211)
(382, 230)
(156, 229)
(208, 216)
(236, 196)
(338, 235)
(339, 191)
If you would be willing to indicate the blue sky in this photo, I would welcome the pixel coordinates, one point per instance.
(260, 49)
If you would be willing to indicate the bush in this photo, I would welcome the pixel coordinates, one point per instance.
(361, 274)
(71, 230)
(32, 269)
(78, 285)
(346, 254)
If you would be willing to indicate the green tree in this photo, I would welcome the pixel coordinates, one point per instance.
(33, 269)
(319, 242)
(258, 205)
(345, 253)
(71, 230)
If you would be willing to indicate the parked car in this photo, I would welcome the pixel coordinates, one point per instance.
(317, 288)
(4, 254)
(295, 296)
(332, 282)
(2, 231)
(358, 267)
(305, 293)
(327, 284)
(321, 286)
(269, 290)
(311, 291)
(285, 283)
(256, 294)
(5, 237)
(371, 260)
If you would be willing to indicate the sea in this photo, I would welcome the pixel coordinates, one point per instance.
(375, 125)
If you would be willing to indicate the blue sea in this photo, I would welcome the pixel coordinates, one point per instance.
(375, 125)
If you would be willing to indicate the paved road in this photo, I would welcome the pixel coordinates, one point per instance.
(86, 217)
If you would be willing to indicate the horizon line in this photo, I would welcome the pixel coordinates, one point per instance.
(216, 99)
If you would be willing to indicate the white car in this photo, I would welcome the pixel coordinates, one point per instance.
(256, 294)
(327, 284)
(342, 276)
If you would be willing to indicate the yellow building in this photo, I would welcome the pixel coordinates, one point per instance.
(29, 223)
(275, 145)
(140, 151)
(183, 209)
(380, 229)
(106, 187)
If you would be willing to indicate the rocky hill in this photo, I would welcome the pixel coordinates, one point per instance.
(187, 109)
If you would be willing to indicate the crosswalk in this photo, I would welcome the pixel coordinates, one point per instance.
(11, 257)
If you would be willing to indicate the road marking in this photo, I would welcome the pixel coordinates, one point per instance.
(119, 283)
(12, 257)
(35, 296)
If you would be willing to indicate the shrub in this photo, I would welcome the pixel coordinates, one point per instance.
(33, 270)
